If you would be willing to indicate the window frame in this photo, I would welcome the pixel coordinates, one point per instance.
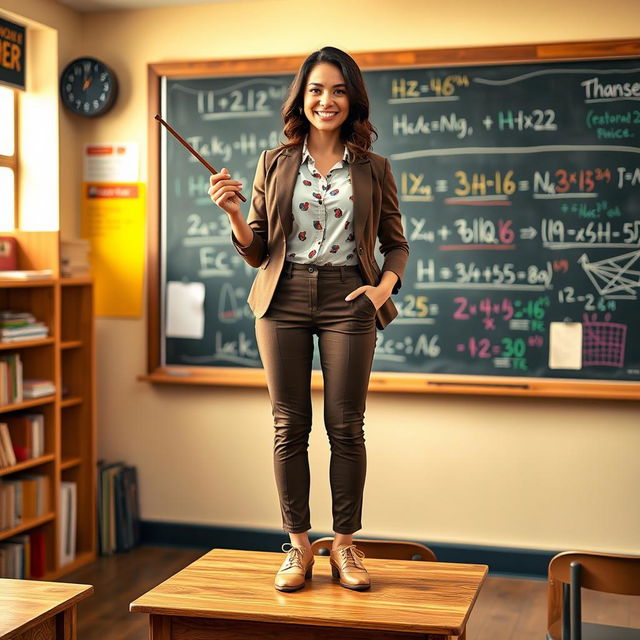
(13, 161)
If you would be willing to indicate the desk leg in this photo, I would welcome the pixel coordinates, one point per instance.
(159, 627)
(66, 624)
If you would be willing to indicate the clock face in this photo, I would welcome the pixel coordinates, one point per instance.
(88, 87)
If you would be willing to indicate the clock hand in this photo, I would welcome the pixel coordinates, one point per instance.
(86, 83)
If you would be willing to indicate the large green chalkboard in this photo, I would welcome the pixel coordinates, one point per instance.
(519, 186)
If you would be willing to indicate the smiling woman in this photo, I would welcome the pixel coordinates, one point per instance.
(332, 83)
(333, 197)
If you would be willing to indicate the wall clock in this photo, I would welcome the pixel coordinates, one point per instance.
(88, 87)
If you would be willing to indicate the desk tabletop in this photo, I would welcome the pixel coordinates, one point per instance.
(420, 597)
(23, 603)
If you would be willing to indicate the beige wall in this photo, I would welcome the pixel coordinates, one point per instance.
(537, 473)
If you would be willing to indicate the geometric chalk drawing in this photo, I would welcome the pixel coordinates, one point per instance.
(229, 311)
(603, 344)
(614, 275)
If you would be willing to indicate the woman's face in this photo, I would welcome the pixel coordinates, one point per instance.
(326, 103)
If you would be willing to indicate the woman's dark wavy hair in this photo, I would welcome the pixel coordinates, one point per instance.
(356, 132)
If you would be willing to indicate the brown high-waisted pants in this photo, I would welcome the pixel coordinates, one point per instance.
(311, 299)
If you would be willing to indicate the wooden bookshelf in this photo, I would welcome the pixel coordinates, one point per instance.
(67, 357)
(78, 408)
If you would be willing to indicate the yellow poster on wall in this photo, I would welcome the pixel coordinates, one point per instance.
(113, 220)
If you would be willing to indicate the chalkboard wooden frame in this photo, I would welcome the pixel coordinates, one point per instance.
(380, 381)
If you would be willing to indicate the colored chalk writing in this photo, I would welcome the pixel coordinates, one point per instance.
(519, 190)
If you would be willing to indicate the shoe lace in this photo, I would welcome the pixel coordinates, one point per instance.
(294, 556)
(350, 556)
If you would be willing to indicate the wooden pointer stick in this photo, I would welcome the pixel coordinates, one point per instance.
(180, 139)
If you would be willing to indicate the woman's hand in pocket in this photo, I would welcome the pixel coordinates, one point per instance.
(377, 295)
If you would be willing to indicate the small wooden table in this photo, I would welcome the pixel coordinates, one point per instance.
(35, 610)
(229, 594)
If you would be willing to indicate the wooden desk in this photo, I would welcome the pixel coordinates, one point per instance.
(229, 594)
(35, 610)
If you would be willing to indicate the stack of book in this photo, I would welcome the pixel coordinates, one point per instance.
(118, 508)
(74, 257)
(21, 438)
(27, 274)
(23, 557)
(36, 388)
(11, 384)
(23, 498)
(68, 521)
(16, 326)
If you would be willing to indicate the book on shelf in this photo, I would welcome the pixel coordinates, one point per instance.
(10, 318)
(68, 521)
(11, 382)
(74, 257)
(25, 434)
(21, 325)
(25, 337)
(118, 508)
(23, 498)
(26, 274)
(38, 564)
(15, 557)
(7, 454)
(8, 253)
(36, 388)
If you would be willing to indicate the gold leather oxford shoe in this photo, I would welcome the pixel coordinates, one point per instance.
(346, 565)
(297, 566)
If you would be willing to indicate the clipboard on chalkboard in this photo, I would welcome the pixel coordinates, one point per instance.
(518, 176)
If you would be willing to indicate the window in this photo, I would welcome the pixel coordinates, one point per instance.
(8, 159)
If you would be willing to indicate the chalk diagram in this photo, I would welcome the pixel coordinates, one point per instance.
(615, 277)
(229, 311)
(603, 343)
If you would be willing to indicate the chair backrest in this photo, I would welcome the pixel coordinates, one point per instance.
(387, 549)
(606, 572)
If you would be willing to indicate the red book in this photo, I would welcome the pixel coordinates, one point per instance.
(38, 560)
(8, 253)
(20, 430)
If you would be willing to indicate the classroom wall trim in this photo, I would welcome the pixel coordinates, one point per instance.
(504, 561)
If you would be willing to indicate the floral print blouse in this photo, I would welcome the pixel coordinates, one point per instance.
(322, 230)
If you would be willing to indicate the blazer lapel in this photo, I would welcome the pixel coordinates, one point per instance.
(360, 172)
(286, 174)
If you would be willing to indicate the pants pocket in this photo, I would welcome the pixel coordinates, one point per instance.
(368, 303)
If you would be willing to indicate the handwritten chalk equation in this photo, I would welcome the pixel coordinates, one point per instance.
(469, 275)
(254, 97)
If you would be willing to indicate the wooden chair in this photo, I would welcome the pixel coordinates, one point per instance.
(572, 570)
(386, 549)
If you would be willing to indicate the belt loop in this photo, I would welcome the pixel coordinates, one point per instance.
(289, 269)
(341, 273)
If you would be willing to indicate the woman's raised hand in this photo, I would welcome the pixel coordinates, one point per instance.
(223, 192)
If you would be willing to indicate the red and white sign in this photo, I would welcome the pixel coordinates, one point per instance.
(111, 162)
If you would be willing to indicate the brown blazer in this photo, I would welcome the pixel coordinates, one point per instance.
(376, 214)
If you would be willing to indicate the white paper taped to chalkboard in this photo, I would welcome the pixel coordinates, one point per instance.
(565, 345)
(185, 310)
